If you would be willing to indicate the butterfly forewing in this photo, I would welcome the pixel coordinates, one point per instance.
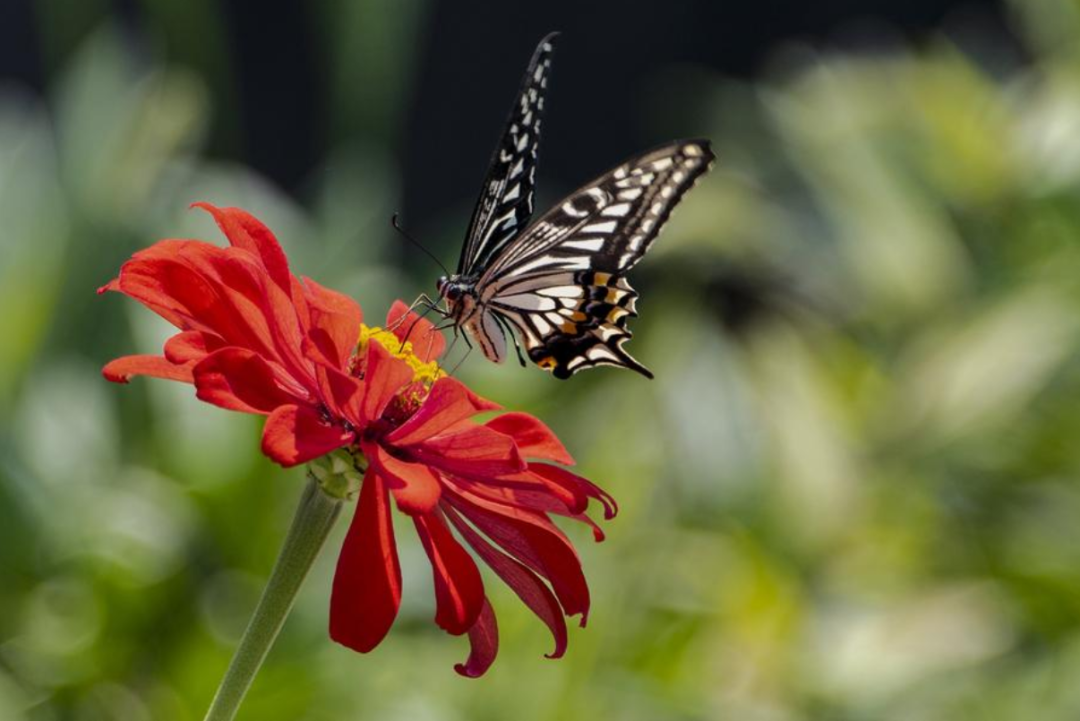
(506, 199)
(609, 223)
(560, 281)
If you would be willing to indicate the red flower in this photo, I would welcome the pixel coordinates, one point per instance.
(254, 338)
(444, 469)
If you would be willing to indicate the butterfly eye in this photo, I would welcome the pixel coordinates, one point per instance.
(447, 289)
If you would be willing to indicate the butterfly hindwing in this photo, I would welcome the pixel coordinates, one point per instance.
(561, 281)
(591, 327)
(506, 198)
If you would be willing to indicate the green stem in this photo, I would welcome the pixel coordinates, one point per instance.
(310, 526)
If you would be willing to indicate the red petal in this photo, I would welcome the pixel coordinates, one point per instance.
(414, 485)
(384, 376)
(459, 592)
(239, 380)
(528, 491)
(321, 349)
(367, 584)
(296, 434)
(335, 320)
(535, 541)
(483, 643)
(268, 313)
(449, 402)
(577, 485)
(192, 345)
(341, 393)
(123, 369)
(427, 343)
(471, 451)
(198, 286)
(244, 231)
(161, 278)
(562, 484)
(533, 438)
(528, 587)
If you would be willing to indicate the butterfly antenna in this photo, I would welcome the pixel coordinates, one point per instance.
(414, 241)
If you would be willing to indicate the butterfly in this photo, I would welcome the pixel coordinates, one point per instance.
(558, 283)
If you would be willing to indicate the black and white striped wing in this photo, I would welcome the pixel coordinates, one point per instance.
(506, 198)
(561, 281)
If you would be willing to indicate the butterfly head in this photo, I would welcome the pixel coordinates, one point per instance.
(460, 296)
(453, 289)
(447, 288)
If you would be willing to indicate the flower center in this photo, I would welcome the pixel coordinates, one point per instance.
(425, 372)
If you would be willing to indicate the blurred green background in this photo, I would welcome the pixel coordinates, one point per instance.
(852, 492)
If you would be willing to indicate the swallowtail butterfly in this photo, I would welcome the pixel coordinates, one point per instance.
(558, 282)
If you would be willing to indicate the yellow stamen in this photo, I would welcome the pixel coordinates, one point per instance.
(426, 372)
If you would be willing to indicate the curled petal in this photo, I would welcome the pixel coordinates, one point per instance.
(427, 343)
(297, 434)
(367, 583)
(192, 345)
(533, 438)
(459, 592)
(414, 485)
(162, 278)
(449, 402)
(245, 231)
(239, 380)
(225, 291)
(562, 482)
(483, 644)
(125, 368)
(528, 587)
(563, 477)
(535, 541)
(268, 313)
(528, 492)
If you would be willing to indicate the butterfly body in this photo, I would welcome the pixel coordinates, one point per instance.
(558, 282)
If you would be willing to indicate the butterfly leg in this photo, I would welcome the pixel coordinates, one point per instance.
(412, 326)
(467, 352)
(422, 300)
(429, 306)
(449, 348)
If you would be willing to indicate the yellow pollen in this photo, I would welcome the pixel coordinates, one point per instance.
(426, 372)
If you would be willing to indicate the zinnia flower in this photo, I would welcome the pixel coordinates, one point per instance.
(254, 338)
